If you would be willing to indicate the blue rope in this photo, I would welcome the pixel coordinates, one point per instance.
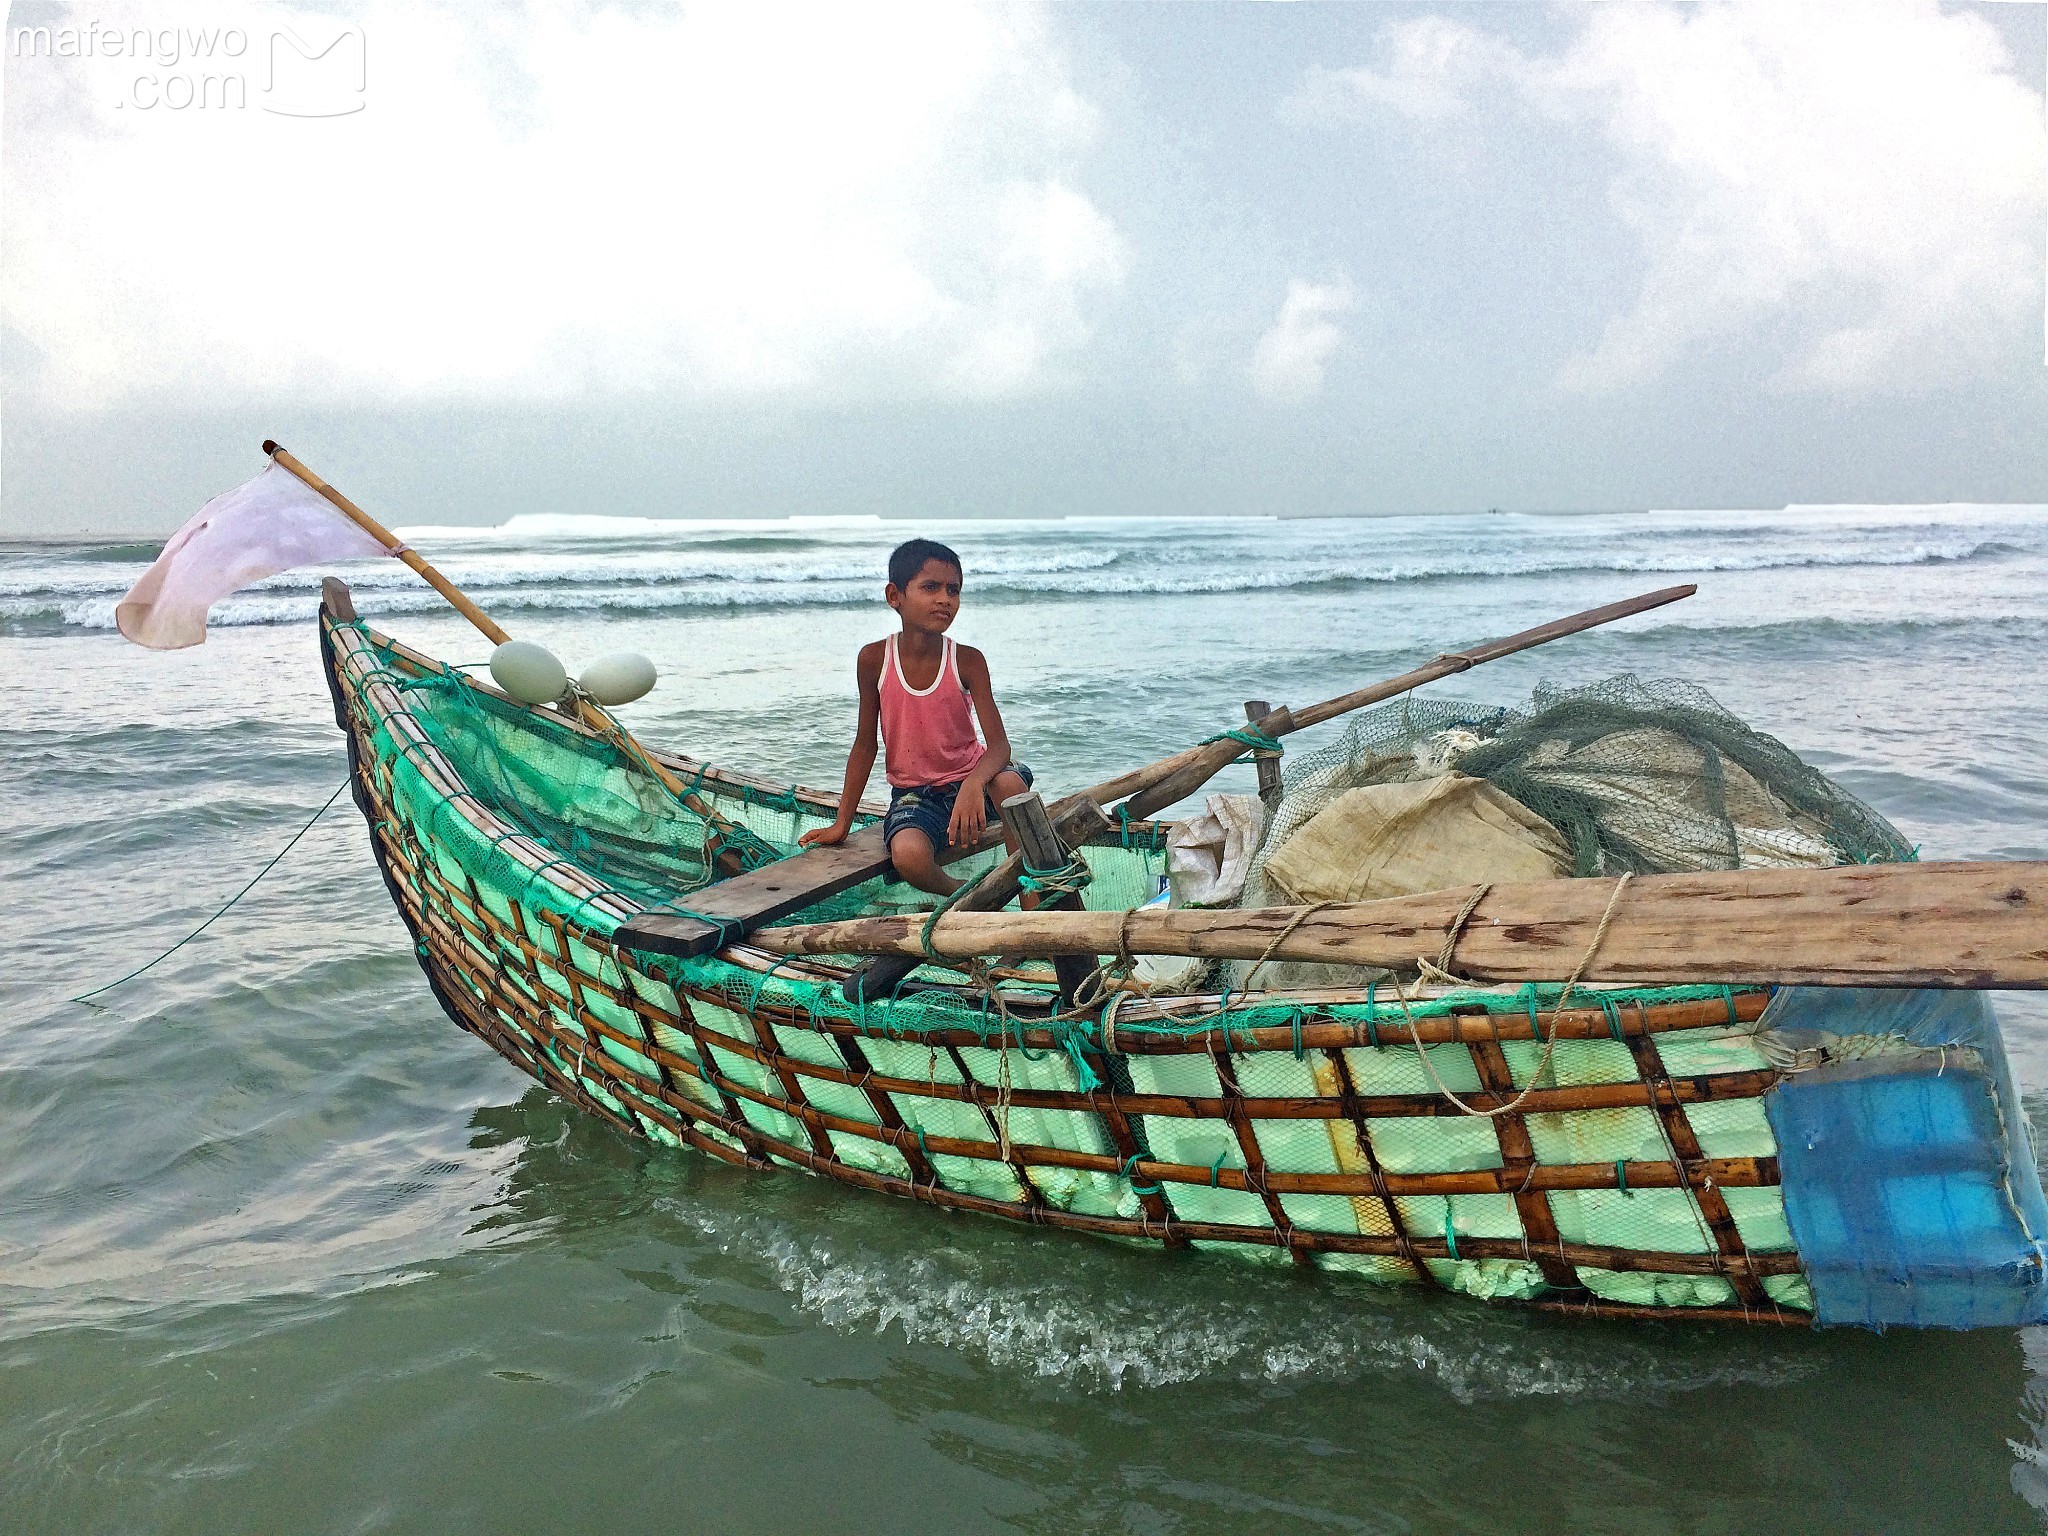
(245, 890)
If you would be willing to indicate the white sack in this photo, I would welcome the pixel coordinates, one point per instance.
(1208, 856)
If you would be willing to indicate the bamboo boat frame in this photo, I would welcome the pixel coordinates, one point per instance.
(526, 988)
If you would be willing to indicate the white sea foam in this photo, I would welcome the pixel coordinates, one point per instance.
(1084, 1325)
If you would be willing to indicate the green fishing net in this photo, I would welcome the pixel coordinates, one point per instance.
(1640, 776)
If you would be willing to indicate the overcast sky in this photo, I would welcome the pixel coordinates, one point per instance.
(754, 259)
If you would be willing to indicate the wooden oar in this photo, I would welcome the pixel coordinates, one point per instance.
(1974, 925)
(1159, 785)
(587, 710)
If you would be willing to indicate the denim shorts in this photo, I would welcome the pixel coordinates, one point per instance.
(929, 808)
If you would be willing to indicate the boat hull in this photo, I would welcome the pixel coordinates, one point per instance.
(1622, 1157)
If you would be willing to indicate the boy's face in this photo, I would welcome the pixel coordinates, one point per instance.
(931, 600)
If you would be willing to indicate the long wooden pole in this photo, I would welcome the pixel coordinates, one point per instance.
(823, 871)
(391, 541)
(587, 711)
(1160, 784)
(1974, 925)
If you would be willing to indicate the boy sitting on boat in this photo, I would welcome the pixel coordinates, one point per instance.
(926, 692)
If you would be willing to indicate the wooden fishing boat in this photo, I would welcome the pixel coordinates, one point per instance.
(1694, 1147)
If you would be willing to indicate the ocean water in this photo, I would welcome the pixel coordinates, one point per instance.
(281, 1249)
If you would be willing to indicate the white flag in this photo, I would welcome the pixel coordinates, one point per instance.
(264, 526)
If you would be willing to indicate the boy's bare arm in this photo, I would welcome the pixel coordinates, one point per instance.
(860, 762)
(969, 810)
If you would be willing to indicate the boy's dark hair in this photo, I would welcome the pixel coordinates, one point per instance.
(906, 560)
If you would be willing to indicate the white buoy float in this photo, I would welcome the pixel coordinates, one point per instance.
(530, 673)
(617, 678)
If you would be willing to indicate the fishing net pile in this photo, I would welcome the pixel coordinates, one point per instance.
(1643, 777)
(1621, 776)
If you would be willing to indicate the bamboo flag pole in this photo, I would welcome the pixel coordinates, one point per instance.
(1972, 925)
(588, 711)
(392, 542)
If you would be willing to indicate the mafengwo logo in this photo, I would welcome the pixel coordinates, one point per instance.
(314, 68)
(312, 78)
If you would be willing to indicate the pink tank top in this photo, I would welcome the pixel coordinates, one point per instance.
(927, 737)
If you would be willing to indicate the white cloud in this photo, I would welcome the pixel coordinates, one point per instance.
(1857, 189)
(1291, 359)
(812, 201)
(1430, 64)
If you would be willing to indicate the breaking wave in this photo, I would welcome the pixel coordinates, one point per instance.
(50, 593)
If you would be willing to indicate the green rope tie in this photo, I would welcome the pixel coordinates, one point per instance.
(1074, 1037)
(1216, 1169)
(1068, 879)
(1130, 1177)
(1249, 736)
(1450, 1232)
(1621, 1178)
(730, 930)
(761, 981)
(924, 934)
